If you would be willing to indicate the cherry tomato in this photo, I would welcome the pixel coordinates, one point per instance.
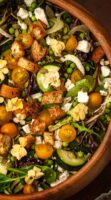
(95, 100)
(20, 76)
(4, 115)
(76, 76)
(11, 61)
(67, 133)
(44, 151)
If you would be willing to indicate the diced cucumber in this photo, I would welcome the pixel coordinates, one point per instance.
(42, 76)
(70, 159)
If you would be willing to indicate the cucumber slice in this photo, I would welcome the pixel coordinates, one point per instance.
(44, 77)
(70, 159)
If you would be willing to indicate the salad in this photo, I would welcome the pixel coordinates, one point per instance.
(55, 96)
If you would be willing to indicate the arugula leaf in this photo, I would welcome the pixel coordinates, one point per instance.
(5, 181)
(82, 128)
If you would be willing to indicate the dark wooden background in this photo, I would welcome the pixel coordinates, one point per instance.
(101, 10)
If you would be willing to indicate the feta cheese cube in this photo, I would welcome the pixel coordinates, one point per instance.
(22, 13)
(58, 144)
(83, 97)
(84, 46)
(106, 85)
(105, 71)
(39, 140)
(40, 14)
(69, 85)
(22, 24)
(102, 62)
(66, 107)
(26, 128)
(29, 2)
(103, 93)
(37, 95)
(3, 168)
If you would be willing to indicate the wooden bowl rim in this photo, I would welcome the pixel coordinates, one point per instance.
(104, 149)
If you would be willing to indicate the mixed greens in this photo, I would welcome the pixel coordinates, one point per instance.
(55, 95)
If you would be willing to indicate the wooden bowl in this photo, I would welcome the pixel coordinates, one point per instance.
(103, 155)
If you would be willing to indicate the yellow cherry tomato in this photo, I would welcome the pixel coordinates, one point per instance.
(44, 151)
(45, 117)
(76, 76)
(71, 43)
(95, 100)
(11, 61)
(9, 129)
(28, 189)
(67, 133)
(4, 115)
(20, 76)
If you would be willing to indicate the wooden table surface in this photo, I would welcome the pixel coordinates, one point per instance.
(101, 10)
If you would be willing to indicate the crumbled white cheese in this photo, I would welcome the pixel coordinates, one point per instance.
(22, 13)
(69, 85)
(106, 85)
(1, 99)
(57, 144)
(56, 45)
(18, 151)
(3, 168)
(37, 95)
(105, 71)
(20, 118)
(40, 14)
(66, 107)
(60, 169)
(30, 14)
(22, 24)
(40, 189)
(103, 93)
(33, 174)
(29, 2)
(83, 97)
(14, 104)
(26, 128)
(102, 61)
(39, 140)
(3, 69)
(52, 78)
(62, 178)
(84, 46)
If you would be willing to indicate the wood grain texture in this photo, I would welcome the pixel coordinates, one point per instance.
(102, 12)
(102, 156)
